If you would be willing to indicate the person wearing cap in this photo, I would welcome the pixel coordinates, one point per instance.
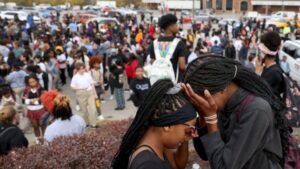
(169, 29)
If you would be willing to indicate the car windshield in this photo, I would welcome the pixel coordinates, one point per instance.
(278, 20)
(292, 50)
(201, 18)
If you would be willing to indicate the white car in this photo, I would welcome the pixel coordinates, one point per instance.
(285, 14)
(10, 15)
(291, 49)
(103, 20)
(42, 6)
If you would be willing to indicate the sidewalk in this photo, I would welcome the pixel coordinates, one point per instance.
(107, 109)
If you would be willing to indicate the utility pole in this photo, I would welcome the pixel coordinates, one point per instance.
(193, 10)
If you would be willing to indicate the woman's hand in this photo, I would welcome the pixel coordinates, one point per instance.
(206, 105)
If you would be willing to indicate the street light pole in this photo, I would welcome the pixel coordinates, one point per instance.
(282, 7)
(193, 10)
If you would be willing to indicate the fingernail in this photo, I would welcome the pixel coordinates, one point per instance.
(206, 92)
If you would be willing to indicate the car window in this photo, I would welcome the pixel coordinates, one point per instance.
(297, 54)
(291, 50)
(9, 13)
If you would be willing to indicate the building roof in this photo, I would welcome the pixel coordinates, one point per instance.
(276, 2)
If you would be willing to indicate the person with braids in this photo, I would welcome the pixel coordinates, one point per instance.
(164, 122)
(243, 123)
(65, 123)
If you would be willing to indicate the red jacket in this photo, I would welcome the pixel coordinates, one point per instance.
(130, 68)
(151, 31)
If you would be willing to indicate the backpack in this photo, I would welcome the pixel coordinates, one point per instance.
(162, 67)
(292, 100)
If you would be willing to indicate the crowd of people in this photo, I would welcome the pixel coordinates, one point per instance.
(230, 75)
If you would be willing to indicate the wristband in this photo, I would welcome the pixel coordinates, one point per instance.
(212, 122)
(211, 117)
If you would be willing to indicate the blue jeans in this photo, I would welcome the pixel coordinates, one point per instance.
(119, 95)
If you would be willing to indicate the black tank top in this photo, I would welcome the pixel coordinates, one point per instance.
(148, 159)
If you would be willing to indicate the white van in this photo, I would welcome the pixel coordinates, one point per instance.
(284, 14)
(22, 15)
(291, 49)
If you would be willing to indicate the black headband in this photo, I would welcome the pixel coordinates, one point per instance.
(182, 115)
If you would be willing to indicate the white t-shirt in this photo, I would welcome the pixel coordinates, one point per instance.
(216, 38)
(83, 82)
(238, 45)
(76, 125)
(229, 28)
(70, 61)
(42, 66)
(192, 57)
(4, 51)
(62, 58)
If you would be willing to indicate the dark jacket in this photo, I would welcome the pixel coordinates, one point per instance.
(217, 50)
(243, 53)
(230, 52)
(247, 141)
(11, 137)
(118, 77)
(140, 88)
(273, 76)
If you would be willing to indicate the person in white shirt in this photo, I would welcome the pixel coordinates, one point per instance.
(61, 58)
(238, 44)
(65, 123)
(215, 38)
(83, 84)
(4, 51)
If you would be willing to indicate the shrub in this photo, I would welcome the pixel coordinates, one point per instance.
(95, 149)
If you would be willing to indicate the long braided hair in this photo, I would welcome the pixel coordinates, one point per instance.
(156, 103)
(214, 73)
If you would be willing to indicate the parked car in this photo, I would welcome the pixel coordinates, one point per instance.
(10, 15)
(291, 49)
(235, 22)
(104, 20)
(42, 6)
(278, 22)
(185, 13)
(212, 17)
(262, 17)
(201, 19)
(85, 17)
(186, 19)
(289, 15)
(47, 12)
